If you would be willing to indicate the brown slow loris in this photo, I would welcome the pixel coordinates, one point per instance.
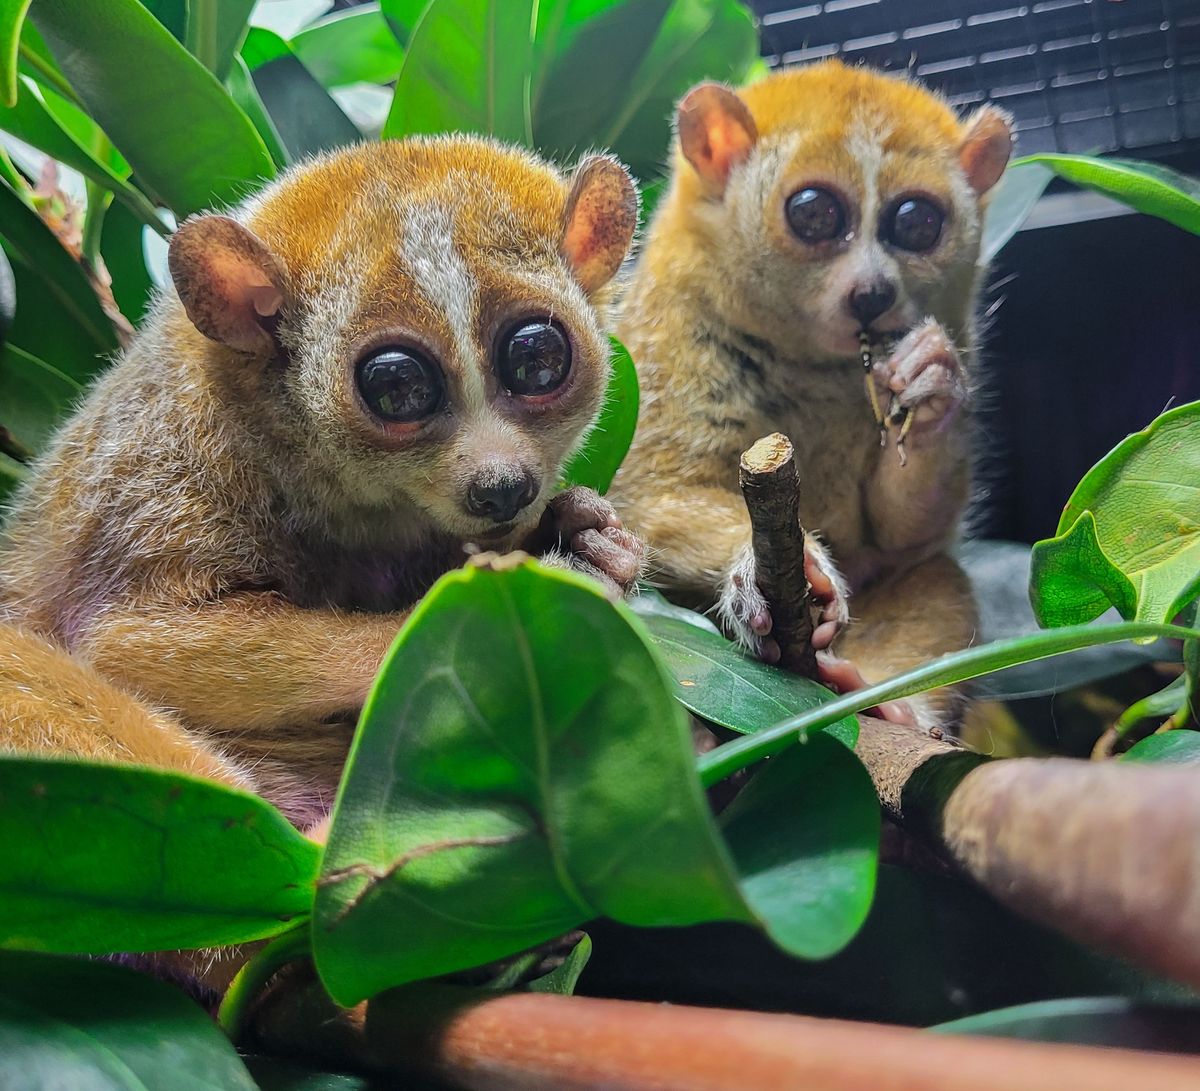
(806, 211)
(378, 363)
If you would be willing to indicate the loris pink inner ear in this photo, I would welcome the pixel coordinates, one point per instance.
(599, 221)
(228, 282)
(716, 132)
(986, 147)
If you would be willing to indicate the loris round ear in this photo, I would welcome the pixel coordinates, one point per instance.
(716, 132)
(598, 220)
(985, 148)
(231, 285)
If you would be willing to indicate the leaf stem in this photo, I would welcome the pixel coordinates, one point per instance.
(248, 984)
(201, 33)
(725, 760)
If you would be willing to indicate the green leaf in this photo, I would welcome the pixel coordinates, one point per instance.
(12, 18)
(172, 14)
(402, 17)
(1009, 206)
(307, 120)
(1113, 1021)
(1166, 702)
(1147, 187)
(240, 85)
(34, 397)
(63, 297)
(30, 120)
(12, 473)
(123, 249)
(596, 463)
(91, 1026)
(1180, 747)
(273, 1074)
(718, 682)
(185, 138)
(215, 29)
(466, 70)
(350, 47)
(510, 781)
(103, 858)
(8, 297)
(563, 979)
(1130, 534)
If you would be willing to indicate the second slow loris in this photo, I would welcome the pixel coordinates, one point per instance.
(806, 211)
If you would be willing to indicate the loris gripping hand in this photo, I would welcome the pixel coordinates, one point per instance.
(924, 380)
(591, 539)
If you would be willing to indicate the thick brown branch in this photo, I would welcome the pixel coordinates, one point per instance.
(771, 488)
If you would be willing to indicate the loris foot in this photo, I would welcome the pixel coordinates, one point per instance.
(924, 379)
(591, 539)
(745, 614)
(843, 676)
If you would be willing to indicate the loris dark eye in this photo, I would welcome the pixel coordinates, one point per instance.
(816, 215)
(914, 224)
(533, 358)
(400, 385)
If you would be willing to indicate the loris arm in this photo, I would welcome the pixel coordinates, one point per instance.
(245, 661)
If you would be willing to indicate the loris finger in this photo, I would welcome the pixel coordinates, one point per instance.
(844, 676)
(616, 559)
(579, 508)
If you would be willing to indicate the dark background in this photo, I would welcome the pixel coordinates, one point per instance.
(1097, 327)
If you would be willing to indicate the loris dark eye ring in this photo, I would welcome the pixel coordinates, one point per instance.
(914, 223)
(400, 385)
(816, 215)
(533, 357)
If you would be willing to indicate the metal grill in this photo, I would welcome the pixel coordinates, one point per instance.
(1078, 75)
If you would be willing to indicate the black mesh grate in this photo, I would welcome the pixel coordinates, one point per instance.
(1078, 75)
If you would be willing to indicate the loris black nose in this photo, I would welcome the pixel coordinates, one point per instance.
(869, 301)
(499, 499)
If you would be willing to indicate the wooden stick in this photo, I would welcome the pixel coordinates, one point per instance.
(771, 488)
(530, 1042)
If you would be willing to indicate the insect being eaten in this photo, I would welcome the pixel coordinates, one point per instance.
(897, 416)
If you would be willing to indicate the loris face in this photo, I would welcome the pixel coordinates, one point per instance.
(436, 350)
(847, 200)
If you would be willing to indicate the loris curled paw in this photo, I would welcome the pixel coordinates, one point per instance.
(923, 380)
(590, 539)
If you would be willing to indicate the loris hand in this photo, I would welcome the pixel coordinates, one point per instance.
(746, 615)
(924, 380)
(592, 540)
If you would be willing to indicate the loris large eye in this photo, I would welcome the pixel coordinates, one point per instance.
(533, 358)
(914, 223)
(400, 385)
(816, 215)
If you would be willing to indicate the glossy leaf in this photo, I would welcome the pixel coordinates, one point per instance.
(510, 781)
(1179, 747)
(348, 47)
(123, 249)
(563, 979)
(31, 120)
(718, 682)
(64, 293)
(240, 85)
(215, 28)
(12, 18)
(12, 473)
(402, 17)
(274, 1074)
(596, 463)
(103, 858)
(1009, 206)
(34, 397)
(1148, 187)
(466, 70)
(1112, 1021)
(92, 1026)
(1130, 534)
(8, 297)
(307, 120)
(172, 14)
(185, 138)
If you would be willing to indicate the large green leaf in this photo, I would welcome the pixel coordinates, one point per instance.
(1010, 204)
(510, 781)
(106, 857)
(301, 111)
(466, 70)
(123, 249)
(12, 473)
(30, 120)
(240, 85)
(1148, 187)
(12, 18)
(1176, 747)
(215, 29)
(596, 463)
(34, 397)
(91, 1026)
(348, 47)
(402, 17)
(63, 296)
(720, 683)
(1129, 536)
(184, 136)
